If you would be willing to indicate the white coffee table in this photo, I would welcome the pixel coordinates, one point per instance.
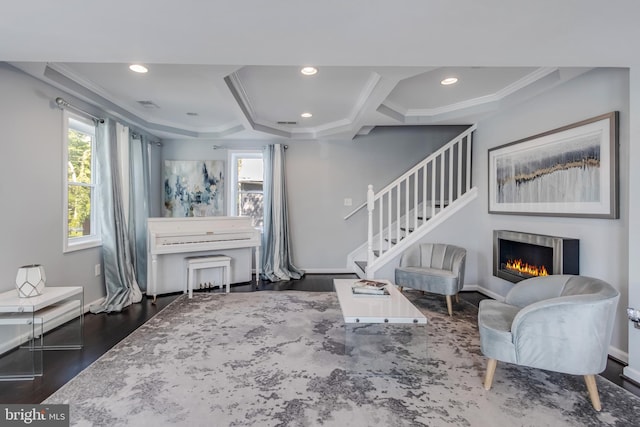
(392, 308)
(376, 327)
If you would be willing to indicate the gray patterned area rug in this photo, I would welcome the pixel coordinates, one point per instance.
(286, 359)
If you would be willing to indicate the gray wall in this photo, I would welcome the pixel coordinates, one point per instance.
(322, 173)
(633, 370)
(155, 177)
(603, 243)
(31, 190)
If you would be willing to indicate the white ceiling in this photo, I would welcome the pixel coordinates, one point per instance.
(212, 101)
(380, 63)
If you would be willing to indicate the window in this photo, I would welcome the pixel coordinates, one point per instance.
(247, 185)
(80, 226)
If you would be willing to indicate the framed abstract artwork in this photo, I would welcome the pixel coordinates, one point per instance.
(570, 171)
(193, 188)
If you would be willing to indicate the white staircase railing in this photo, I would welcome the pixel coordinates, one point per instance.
(423, 192)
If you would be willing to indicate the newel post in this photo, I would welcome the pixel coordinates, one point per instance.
(370, 206)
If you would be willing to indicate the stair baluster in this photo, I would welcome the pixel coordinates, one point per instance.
(440, 180)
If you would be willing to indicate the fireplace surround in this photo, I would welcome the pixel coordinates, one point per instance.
(518, 256)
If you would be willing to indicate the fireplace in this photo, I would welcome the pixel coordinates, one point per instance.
(518, 256)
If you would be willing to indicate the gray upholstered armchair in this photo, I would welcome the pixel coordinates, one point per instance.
(558, 323)
(433, 267)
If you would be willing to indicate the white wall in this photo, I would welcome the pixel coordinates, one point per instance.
(603, 243)
(155, 177)
(633, 370)
(31, 191)
(322, 173)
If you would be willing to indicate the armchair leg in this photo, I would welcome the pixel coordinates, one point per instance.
(458, 298)
(401, 288)
(491, 370)
(449, 306)
(593, 391)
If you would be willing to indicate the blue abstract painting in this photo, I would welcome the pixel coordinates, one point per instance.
(193, 188)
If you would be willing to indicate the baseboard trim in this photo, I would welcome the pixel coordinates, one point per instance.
(327, 270)
(66, 314)
(49, 325)
(484, 291)
(99, 301)
(619, 355)
(631, 375)
(630, 380)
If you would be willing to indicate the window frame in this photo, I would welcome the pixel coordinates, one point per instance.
(232, 189)
(94, 239)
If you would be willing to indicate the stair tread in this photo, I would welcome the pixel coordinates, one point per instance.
(393, 241)
(404, 220)
(362, 265)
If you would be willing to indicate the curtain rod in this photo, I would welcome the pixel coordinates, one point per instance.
(62, 104)
(136, 135)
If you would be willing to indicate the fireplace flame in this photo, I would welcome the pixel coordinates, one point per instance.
(522, 267)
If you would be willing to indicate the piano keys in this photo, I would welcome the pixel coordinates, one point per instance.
(171, 240)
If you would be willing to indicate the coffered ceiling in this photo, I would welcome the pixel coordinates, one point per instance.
(230, 69)
(215, 101)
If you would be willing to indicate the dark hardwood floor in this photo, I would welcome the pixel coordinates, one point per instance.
(613, 371)
(103, 331)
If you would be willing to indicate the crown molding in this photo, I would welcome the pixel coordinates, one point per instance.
(100, 100)
(404, 115)
(338, 126)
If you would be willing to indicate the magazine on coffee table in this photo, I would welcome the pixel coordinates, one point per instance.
(370, 287)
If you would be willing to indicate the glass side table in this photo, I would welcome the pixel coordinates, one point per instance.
(25, 321)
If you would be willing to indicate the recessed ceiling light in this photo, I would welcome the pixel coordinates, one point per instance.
(309, 71)
(306, 115)
(449, 81)
(191, 113)
(138, 68)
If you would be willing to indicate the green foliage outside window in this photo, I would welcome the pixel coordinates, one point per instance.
(79, 184)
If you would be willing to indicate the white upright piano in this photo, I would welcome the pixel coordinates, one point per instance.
(171, 240)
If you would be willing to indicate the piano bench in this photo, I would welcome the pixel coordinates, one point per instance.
(207, 261)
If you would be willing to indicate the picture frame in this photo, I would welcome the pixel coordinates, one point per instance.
(571, 171)
(193, 188)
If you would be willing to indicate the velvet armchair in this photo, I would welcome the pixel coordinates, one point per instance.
(558, 323)
(433, 267)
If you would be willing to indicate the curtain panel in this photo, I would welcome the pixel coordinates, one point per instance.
(120, 281)
(276, 252)
(139, 204)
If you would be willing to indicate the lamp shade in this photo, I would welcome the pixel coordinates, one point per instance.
(30, 280)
